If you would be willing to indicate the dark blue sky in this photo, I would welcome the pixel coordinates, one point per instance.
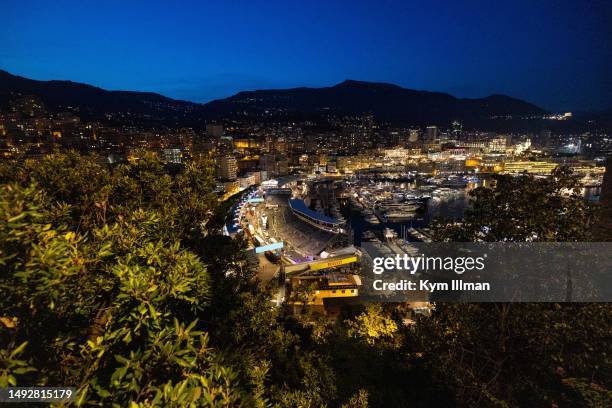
(554, 53)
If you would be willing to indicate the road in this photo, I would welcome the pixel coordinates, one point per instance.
(267, 270)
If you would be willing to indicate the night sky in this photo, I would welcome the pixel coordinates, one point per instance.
(556, 54)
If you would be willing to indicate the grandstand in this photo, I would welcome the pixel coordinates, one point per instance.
(301, 237)
(314, 218)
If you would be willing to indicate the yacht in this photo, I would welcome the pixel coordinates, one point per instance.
(454, 181)
(443, 192)
(421, 234)
(389, 233)
(398, 211)
(372, 219)
(368, 236)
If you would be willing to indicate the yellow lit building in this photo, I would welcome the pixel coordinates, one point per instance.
(472, 163)
(531, 167)
(227, 168)
(483, 166)
(312, 289)
(244, 144)
(585, 170)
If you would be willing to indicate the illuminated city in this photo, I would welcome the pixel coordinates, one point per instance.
(234, 239)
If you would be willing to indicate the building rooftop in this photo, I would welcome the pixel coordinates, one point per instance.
(300, 207)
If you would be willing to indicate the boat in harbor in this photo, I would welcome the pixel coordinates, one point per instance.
(368, 236)
(392, 212)
(454, 181)
(389, 233)
(396, 216)
(421, 234)
(372, 219)
(443, 192)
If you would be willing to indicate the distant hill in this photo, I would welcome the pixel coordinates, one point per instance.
(385, 101)
(92, 102)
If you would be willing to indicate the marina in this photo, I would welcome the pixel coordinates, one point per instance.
(406, 207)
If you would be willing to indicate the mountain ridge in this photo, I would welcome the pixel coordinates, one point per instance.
(386, 101)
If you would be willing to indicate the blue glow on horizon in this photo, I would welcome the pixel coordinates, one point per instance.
(554, 54)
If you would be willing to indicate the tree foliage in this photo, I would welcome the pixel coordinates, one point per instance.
(521, 354)
(372, 325)
(110, 284)
(518, 354)
(524, 208)
(114, 281)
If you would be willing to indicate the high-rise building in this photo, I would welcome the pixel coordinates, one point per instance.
(414, 136)
(456, 130)
(202, 146)
(282, 166)
(545, 138)
(172, 156)
(225, 145)
(397, 138)
(268, 144)
(227, 168)
(603, 226)
(310, 146)
(497, 144)
(267, 163)
(348, 139)
(432, 133)
(365, 133)
(281, 145)
(214, 131)
(274, 164)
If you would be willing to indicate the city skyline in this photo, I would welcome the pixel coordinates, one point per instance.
(316, 204)
(204, 52)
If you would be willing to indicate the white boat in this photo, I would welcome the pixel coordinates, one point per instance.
(372, 219)
(398, 216)
(389, 233)
(368, 236)
(423, 234)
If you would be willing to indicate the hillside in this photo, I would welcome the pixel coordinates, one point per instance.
(386, 102)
